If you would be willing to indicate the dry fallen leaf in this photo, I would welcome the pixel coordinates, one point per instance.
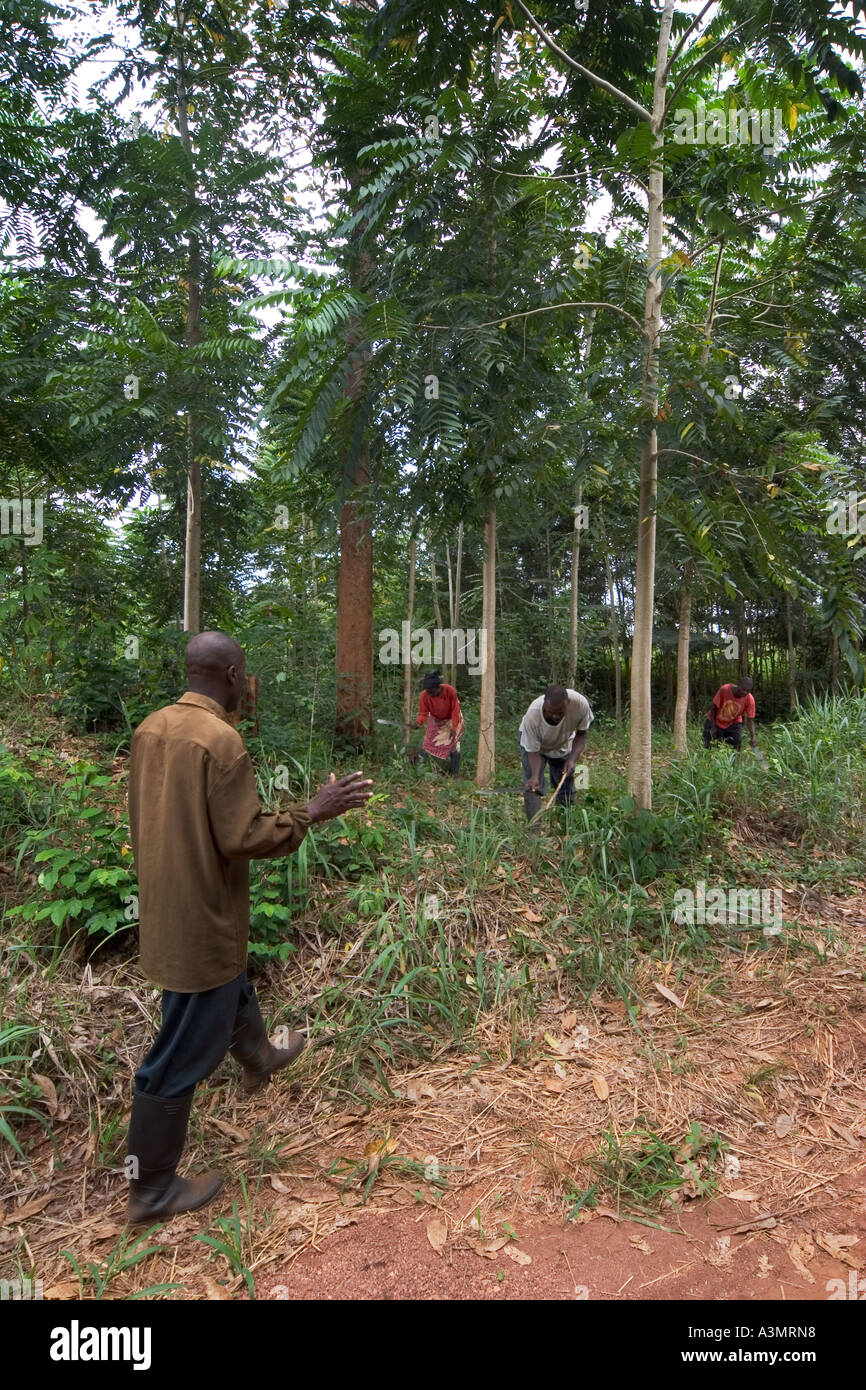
(489, 1249)
(799, 1252)
(48, 1089)
(233, 1131)
(669, 995)
(531, 916)
(60, 1292)
(837, 1247)
(600, 1086)
(416, 1089)
(559, 1068)
(30, 1208)
(784, 1125)
(743, 1194)
(216, 1291)
(640, 1244)
(554, 1085)
(569, 1021)
(519, 1257)
(437, 1234)
(278, 1185)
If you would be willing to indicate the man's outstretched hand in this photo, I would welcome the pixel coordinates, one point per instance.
(338, 796)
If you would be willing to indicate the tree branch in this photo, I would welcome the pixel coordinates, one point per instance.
(680, 46)
(597, 81)
(528, 313)
(698, 61)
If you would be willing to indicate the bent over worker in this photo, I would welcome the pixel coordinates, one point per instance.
(731, 705)
(552, 733)
(196, 822)
(439, 707)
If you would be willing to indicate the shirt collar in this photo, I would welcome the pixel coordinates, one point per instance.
(192, 697)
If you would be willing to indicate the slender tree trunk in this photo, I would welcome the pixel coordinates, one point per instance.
(792, 660)
(192, 544)
(681, 712)
(486, 764)
(551, 614)
(354, 714)
(408, 702)
(355, 612)
(614, 637)
(454, 599)
(834, 662)
(743, 639)
(434, 585)
(574, 615)
(574, 607)
(640, 742)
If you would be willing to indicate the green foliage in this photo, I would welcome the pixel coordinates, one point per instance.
(645, 1172)
(88, 879)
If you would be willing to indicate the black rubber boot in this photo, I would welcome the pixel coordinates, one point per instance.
(454, 763)
(157, 1134)
(253, 1049)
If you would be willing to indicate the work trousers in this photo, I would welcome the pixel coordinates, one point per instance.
(733, 734)
(196, 1034)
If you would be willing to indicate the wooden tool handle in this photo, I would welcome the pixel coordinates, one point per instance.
(547, 805)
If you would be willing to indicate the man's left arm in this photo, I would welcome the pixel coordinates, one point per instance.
(577, 747)
(749, 721)
(241, 826)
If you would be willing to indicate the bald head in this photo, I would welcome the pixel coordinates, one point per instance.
(216, 666)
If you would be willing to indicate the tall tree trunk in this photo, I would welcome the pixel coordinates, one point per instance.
(434, 584)
(408, 703)
(354, 713)
(614, 637)
(742, 639)
(574, 615)
(355, 612)
(454, 599)
(792, 660)
(681, 713)
(640, 741)
(486, 764)
(834, 662)
(552, 653)
(192, 544)
(574, 607)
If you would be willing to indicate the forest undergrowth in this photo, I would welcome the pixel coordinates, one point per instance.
(450, 970)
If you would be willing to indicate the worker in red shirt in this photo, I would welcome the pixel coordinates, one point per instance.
(731, 705)
(439, 706)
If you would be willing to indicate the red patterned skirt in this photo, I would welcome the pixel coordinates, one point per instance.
(437, 739)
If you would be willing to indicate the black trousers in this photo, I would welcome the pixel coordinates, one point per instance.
(733, 734)
(196, 1033)
(555, 768)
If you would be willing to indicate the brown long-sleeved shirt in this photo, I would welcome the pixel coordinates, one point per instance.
(196, 821)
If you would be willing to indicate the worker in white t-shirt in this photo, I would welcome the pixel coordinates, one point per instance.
(553, 731)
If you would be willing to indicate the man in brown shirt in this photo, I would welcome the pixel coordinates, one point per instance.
(196, 821)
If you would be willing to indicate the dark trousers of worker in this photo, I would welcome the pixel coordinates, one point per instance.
(196, 1033)
(453, 760)
(555, 767)
(733, 734)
